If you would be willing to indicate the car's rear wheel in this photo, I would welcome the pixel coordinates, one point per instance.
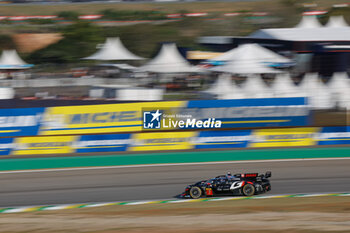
(195, 192)
(248, 190)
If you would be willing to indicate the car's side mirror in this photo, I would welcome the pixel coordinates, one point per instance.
(268, 174)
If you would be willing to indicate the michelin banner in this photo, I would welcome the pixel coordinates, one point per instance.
(185, 140)
(104, 118)
(200, 114)
(137, 117)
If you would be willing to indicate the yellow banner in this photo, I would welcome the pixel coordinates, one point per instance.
(105, 118)
(162, 141)
(284, 137)
(44, 145)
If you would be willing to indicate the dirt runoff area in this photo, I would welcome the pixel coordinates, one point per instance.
(307, 214)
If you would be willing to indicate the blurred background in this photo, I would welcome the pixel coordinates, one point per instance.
(112, 51)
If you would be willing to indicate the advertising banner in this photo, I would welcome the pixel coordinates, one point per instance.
(167, 115)
(334, 135)
(44, 145)
(6, 145)
(104, 118)
(102, 143)
(222, 139)
(284, 137)
(199, 114)
(20, 121)
(239, 113)
(162, 141)
(184, 140)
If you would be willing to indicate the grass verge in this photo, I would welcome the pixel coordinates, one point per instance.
(306, 214)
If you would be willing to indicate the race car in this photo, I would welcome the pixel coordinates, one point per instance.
(247, 184)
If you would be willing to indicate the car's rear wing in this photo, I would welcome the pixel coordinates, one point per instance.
(249, 175)
(253, 175)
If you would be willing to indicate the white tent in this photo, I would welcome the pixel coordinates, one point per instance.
(244, 67)
(169, 60)
(283, 86)
(113, 49)
(10, 60)
(317, 92)
(339, 86)
(224, 88)
(140, 94)
(237, 93)
(222, 85)
(252, 52)
(336, 21)
(255, 87)
(309, 22)
(245, 64)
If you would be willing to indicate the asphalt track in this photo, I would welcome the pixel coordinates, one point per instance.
(163, 182)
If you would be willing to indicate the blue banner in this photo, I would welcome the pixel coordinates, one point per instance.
(334, 135)
(240, 113)
(102, 143)
(20, 121)
(222, 139)
(6, 146)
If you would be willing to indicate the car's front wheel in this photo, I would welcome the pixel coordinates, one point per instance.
(195, 192)
(248, 190)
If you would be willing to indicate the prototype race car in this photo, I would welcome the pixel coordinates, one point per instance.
(247, 184)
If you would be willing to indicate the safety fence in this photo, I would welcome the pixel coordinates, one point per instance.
(180, 140)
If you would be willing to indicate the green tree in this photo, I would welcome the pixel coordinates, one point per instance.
(69, 15)
(80, 40)
(6, 42)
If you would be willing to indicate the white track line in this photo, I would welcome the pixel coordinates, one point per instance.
(16, 210)
(59, 207)
(98, 204)
(171, 164)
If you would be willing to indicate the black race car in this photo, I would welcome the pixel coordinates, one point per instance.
(247, 184)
